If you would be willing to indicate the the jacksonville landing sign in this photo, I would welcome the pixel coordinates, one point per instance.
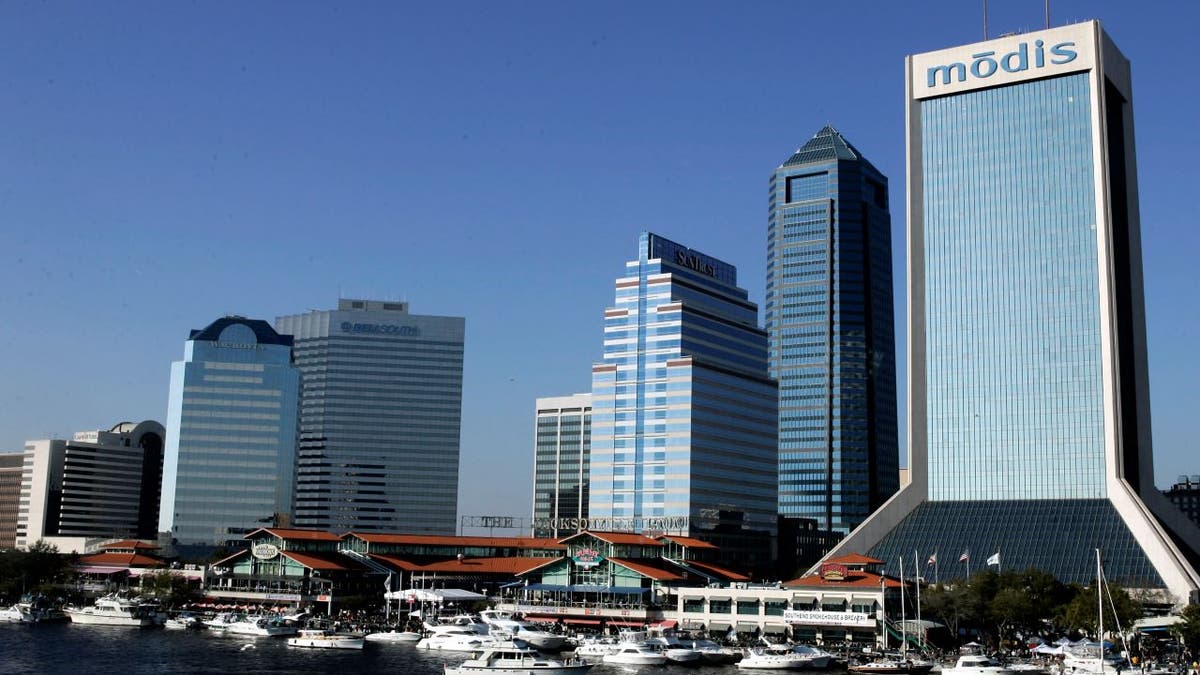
(1011, 59)
(670, 524)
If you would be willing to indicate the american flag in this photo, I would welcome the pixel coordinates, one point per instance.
(966, 555)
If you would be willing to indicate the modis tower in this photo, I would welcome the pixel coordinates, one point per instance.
(1029, 408)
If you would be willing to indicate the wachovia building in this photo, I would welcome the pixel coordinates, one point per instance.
(1029, 407)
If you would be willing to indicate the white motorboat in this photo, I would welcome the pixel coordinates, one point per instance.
(252, 626)
(523, 631)
(712, 653)
(455, 639)
(635, 654)
(467, 621)
(112, 610)
(893, 666)
(977, 664)
(395, 636)
(184, 621)
(16, 614)
(774, 657)
(820, 658)
(596, 648)
(675, 651)
(323, 639)
(513, 660)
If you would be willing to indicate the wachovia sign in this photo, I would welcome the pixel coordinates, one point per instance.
(1009, 59)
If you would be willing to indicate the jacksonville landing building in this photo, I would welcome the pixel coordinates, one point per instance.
(1029, 427)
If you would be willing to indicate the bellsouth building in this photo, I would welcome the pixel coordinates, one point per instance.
(683, 409)
(380, 415)
(1029, 409)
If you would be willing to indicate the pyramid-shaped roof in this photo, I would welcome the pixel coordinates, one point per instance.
(828, 144)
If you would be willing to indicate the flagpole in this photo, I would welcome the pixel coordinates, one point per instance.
(936, 562)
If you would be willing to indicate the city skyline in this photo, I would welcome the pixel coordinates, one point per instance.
(180, 160)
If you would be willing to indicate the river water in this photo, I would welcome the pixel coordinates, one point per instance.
(79, 650)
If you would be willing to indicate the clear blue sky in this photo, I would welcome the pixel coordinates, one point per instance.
(163, 164)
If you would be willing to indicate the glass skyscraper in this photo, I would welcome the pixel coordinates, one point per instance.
(380, 413)
(1029, 402)
(832, 338)
(562, 452)
(683, 408)
(231, 433)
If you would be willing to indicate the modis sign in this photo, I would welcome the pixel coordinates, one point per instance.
(1004, 61)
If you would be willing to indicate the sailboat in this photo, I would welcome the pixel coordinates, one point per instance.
(1087, 664)
(891, 665)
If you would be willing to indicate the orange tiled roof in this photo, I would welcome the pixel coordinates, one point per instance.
(286, 533)
(719, 571)
(854, 559)
(319, 562)
(687, 541)
(646, 570)
(125, 559)
(618, 538)
(435, 540)
(129, 543)
(854, 579)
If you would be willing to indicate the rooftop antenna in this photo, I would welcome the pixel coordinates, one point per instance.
(1047, 14)
(985, 31)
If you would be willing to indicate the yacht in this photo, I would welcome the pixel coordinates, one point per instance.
(395, 636)
(820, 658)
(712, 653)
(893, 666)
(513, 660)
(184, 621)
(977, 664)
(774, 657)
(635, 654)
(253, 626)
(112, 610)
(455, 639)
(675, 651)
(523, 631)
(597, 647)
(323, 639)
(16, 614)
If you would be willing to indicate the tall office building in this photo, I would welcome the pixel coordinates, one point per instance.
(231, 433)
(832, 339)
(683, 410)
(11, 464)
(380, 415)
(97, 485)
(1029, 428)
(561, 455)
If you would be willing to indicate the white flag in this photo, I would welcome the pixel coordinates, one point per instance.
(995, 559)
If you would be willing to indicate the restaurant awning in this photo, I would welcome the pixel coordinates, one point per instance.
(583, 622)
(100, 569)
(718, 625)
(775, 628)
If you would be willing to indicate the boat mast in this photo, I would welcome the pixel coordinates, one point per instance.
(1100, 604)
(883, 609)
(903, 631)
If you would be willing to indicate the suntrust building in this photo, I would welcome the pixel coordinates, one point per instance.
(1029, 415)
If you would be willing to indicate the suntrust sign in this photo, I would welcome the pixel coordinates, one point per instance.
(1004, 61)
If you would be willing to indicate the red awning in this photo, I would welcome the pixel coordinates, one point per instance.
(668, 623)
(615, 622)
(583, 622)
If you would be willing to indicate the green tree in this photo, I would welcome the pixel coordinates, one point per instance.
(38, 569)
(1083, 611)
(1188, 632)
(172, 590)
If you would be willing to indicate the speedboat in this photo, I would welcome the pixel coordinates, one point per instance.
(515, 660)
(774, 657)
(596, 647)
(112, 610)
(977, 664)
(253, 626)
(523, 631)
(712, 653)
(395, 636)
(635, 654)
(467, 621)
(16, 614)
(820, 658)
(455, 639)
(893, 666)
(323, 639)
(184, 621)
(675, 651)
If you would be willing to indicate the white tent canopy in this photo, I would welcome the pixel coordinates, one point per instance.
(442, 595)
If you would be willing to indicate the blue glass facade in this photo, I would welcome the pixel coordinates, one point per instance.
(229, 466)
(1012, 299)
(684, 413)
(829, 316)
(380, 415)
